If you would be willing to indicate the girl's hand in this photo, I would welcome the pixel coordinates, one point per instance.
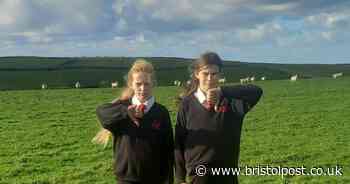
(213, 96)
(140, 110)
(132, 114)
(136, 112)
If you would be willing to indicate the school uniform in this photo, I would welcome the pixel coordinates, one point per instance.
(206, 137)
(142, 154)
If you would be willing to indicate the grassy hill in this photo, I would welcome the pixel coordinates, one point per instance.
(31, 72)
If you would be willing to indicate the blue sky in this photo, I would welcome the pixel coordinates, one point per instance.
(278, 31)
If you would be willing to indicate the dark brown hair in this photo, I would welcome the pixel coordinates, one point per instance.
(205, 59)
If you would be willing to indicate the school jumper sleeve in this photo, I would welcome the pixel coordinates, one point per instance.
(250, 94)
(180, 135)
(170, 149)
(111, 115)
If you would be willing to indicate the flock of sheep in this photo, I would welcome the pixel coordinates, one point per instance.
(77, 85)
(114, 84)
(223, 80)
(253, 78)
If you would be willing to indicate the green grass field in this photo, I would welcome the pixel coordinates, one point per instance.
(45, 134)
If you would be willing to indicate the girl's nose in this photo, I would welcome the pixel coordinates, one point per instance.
(210, 77)
(142, 87)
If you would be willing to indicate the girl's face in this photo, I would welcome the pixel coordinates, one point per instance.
(208, 77)
(142, 85)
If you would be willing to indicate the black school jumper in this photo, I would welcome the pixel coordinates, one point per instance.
(209, 138)
(142, 154)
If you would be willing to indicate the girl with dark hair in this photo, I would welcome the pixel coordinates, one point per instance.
(209, 122)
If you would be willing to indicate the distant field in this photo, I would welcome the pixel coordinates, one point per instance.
(92, 72)
(45, 134)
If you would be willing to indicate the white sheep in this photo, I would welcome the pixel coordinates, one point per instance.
(336, 75)
(77, 85)
(294, 77)
(43, 86)
(114, 84)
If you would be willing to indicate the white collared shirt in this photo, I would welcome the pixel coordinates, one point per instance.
(200, 95)
(148, 103)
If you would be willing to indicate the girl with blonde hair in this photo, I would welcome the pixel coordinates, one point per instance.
(141, 130)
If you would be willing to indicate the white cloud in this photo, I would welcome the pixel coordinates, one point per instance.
(328, 35)
(54, 29)
(34, 37)
(118, 38)
(35, 15)
(259, 32)
(329, 20)
(140, 38)
(118, 6)
(122, 25)
(197, 10)
(167, 27)
(9, 12)
(149, 2)
(277, 7)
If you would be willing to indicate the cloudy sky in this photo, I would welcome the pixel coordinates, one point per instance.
(279, 31)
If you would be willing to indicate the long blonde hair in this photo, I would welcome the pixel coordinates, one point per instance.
(140, 65)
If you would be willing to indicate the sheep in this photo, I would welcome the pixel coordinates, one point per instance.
(114, 84)
(43, 86)
(336, 75)
(294, 77)
(244, 80)
(222, 81)
(252, 79)
(77, 85)
(177, 83)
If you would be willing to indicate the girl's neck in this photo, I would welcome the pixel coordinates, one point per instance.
(204, 91)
